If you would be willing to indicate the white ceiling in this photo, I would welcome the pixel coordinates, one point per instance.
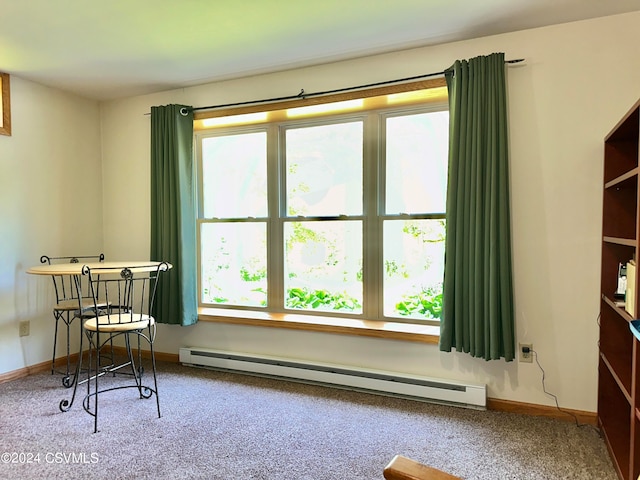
(118, 48)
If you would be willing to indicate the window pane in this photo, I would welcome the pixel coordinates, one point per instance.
(234, 263)
(323, 266)
(416, 170)
(414, 268)
(234, 170)
(324, 170)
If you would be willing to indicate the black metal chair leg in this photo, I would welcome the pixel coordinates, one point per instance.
(65, 405)
(153, 368)
(96, 387)
(68, 321)
(55, 342)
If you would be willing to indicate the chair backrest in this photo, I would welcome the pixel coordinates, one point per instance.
(129, 291)
(65, 285)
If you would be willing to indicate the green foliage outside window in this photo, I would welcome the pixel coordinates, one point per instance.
(427, 303)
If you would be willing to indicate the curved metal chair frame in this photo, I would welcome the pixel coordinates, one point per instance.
(66, 308)
(130, 294)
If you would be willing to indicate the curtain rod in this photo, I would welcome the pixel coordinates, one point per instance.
(302, 95)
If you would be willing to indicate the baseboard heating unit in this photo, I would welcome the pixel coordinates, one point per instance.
(436, 390)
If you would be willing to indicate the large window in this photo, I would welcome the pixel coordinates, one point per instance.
(340, 212)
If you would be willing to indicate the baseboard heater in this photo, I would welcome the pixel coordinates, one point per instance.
(448, 392)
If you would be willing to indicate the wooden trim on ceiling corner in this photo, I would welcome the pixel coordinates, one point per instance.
(5, 97)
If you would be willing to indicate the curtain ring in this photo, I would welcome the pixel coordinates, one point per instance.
(184, 111)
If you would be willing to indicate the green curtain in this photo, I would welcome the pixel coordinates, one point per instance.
(173, 213)
(478, 313)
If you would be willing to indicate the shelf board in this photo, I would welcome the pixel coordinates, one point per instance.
(620, 310)
(623, 389)
(627, 242)
(622, 178)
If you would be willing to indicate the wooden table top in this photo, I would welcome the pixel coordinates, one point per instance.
(76, 268)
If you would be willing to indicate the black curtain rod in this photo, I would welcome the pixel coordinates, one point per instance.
(303, 95)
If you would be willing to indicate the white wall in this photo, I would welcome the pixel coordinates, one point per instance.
(50, 204)
(578, 80)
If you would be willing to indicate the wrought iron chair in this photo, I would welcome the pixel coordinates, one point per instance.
(130, 293)
(67, 308)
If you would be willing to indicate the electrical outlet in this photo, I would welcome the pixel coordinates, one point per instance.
(526, 352)
(24, 328)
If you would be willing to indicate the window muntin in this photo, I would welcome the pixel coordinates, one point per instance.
(362, 221)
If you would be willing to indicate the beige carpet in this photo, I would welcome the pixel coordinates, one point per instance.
(218, 425)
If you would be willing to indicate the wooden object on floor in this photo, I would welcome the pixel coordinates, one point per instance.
(619, 364)
(403, 468)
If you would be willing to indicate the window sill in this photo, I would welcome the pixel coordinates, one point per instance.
(387, 330)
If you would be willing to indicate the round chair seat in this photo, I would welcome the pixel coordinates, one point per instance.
(124, 322)
(73, 304)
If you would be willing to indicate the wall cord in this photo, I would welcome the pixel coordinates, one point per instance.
(555, 398)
